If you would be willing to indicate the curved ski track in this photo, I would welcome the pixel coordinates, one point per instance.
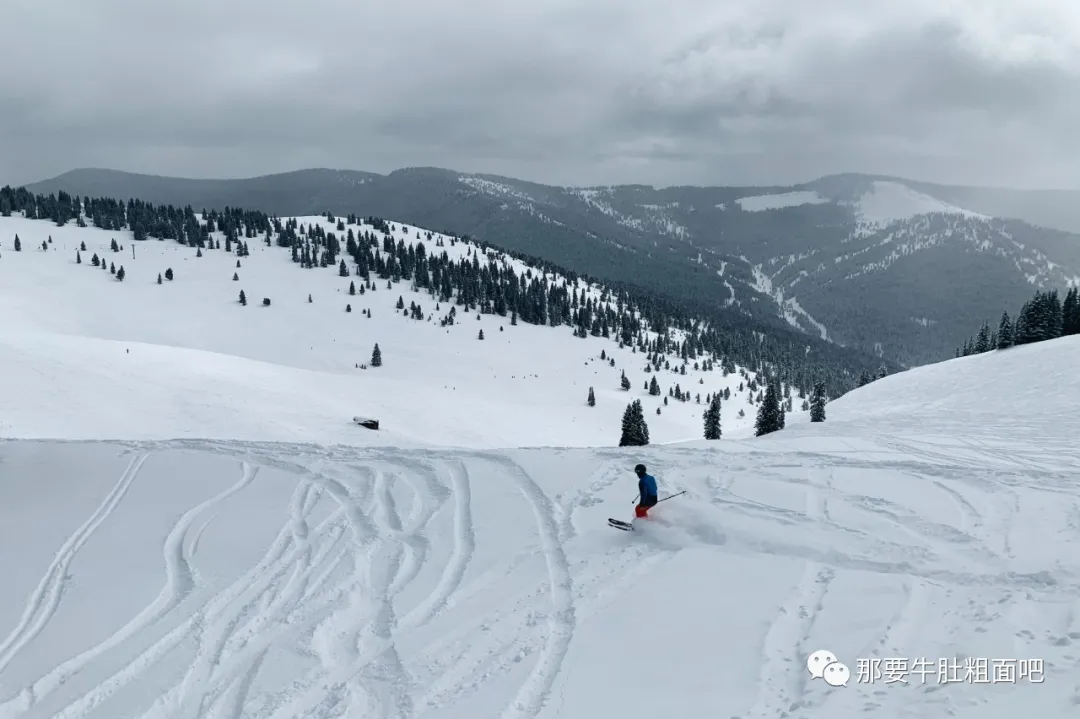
(363, 593)
(49, 592)
(325, 590)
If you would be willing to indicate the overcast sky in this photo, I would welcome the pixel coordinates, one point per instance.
(563, 91)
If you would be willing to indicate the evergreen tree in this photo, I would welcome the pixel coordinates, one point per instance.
(712, 418)
(348, 308)
(865, 379)
(817, 403)
(120, 273)
(243, 297)
(376, 356)
(481, 335)
(635, 432)
(768, 416)
(654, 387)
(592, 398)
(883, 371)
(352, 288)
(18, 244)
(169, 274)
(78, 258)
(624, 382)
(236, 277)
(159, 278)
(982, 343)
(1070, 313)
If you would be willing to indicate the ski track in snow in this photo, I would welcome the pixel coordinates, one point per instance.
(358, 534)
(784, 679)
(464, 544)
(49, 592)
(561, 620)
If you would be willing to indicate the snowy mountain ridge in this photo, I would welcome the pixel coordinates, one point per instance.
(875, 225)
(675, 240)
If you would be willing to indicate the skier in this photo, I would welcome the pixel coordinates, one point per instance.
(646, 491)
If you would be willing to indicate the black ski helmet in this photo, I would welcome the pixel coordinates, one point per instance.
(639, 470)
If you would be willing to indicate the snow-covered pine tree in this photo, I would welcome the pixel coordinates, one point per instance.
(1070, 313)
(635, 432)
(592, 398)
(376, 356)
(817, 403)
(654, 387)
(712, 418)
(768, 416)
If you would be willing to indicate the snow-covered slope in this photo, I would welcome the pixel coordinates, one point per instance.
(933, 519)
(779, 201)
(94, 357)
(887, 202)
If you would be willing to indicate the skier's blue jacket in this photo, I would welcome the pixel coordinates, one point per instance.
(647, 489)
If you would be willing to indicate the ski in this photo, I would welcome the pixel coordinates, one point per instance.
(618, 524)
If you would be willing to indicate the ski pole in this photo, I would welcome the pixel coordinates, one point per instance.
(634, 500)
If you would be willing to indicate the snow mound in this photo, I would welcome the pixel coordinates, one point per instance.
(953, 397)
(759, 203)
(888, 202)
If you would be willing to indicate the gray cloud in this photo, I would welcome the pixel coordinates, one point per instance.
(684, 91)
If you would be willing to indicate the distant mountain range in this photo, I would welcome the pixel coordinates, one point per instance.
(898, 268)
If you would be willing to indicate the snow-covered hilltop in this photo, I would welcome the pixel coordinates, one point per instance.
(462, 330)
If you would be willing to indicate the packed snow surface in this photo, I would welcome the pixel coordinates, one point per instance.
(888, 202)
(778, 201)
(934, 516)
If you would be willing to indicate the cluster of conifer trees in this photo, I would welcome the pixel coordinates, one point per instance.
(1044, 317)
